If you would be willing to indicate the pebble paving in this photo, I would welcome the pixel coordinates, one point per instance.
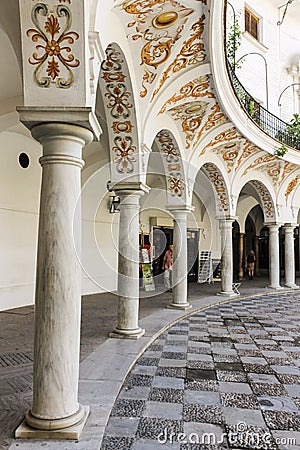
(223, 378)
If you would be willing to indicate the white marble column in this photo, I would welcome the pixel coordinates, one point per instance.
(180, 268)
(58, 286)
(289, 256)
(227, 256)
(128, 263)
(274, 263)
(256, 250)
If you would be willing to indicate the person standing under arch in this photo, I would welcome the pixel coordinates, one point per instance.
(167, 267)
(250, 264)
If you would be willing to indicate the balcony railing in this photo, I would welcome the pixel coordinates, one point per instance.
(268, 122)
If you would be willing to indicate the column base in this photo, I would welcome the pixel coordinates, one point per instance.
(227, 294)
(276, 287)
(292, 286)
(73, 432)
(127, 334)
(182, 306)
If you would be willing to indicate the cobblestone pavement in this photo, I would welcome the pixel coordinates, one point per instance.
(224, 378)
(98, 318)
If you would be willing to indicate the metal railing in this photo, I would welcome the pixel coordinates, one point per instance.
(268, 122)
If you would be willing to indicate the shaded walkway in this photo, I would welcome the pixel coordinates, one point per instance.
(104, 362)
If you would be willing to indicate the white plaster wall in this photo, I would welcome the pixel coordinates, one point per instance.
(280, 45)
(99, 236)
(19, 203)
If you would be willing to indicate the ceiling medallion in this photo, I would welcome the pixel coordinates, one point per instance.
(165, 19)
(193, 109)
(232, 144)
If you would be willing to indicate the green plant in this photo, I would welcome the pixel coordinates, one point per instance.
(280, 151)
(251, 108)
(291, 134)
(233, 41)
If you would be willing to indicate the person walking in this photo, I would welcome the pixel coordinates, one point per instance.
(250, 264)
(167, 267)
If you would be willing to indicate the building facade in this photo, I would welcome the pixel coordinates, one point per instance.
(123, 124)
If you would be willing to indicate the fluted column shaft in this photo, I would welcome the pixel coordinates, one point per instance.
(58, 279)
(128, 262)
(289, 256)
(274, 263)
(180, 268)
(227, 256)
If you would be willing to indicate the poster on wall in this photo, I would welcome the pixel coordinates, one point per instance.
(148, 278)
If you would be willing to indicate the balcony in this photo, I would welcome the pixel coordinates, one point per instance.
(269, 123)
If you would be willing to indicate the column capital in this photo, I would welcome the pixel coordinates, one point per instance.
(125, 188)
(226, 218)
(47, 131)
(273, 225)
(289, 226)
(81, 117)
(180, 211)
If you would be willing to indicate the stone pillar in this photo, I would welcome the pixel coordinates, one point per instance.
(180, 268)
(256, 250)
(289, 257)
(128, 263)
(241, 256)
(274, 263)
(58, 287)
(227, 256)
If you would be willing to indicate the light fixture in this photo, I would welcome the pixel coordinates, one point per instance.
(285, 6)
(114, 203)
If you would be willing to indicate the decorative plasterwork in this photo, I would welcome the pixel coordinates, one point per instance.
(291, 186)
(229, 153)
(195, 89)
(191, 52)
(52, 55)
(276, 170)
(266, 199)
(118, 102)
(158, 25)
(215, 118)
(258, 162)
(248, 150)
(230, 134)
(190, 115)
(172, 163)
(217, 180)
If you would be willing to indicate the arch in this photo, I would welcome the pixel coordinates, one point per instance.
(119, 105)
(10, 75)
(215, 176)
(177, 187)
(265, 200)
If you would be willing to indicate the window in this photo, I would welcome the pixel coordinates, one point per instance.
(251, 23)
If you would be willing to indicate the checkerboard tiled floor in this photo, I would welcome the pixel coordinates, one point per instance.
(226, 377)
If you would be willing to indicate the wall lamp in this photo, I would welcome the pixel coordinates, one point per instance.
(285, 6)
(114, 203)
(114, 200)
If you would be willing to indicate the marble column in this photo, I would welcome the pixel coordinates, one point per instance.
(256, 250)
(274, 263)
(128, 262)
(227, 257)
(289, 256)
(180, 268)
(241, 256)
(58, 287)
